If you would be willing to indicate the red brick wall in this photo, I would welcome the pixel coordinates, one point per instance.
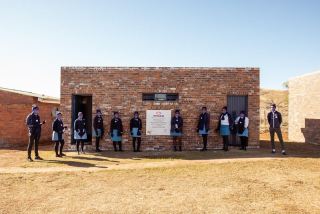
(14, 109)
(120, 89)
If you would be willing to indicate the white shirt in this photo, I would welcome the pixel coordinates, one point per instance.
(246, 121)
(225, 121)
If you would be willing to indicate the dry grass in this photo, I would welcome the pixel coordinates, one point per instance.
(189, 182)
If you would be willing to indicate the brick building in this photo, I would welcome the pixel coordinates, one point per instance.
(14, 107)
(129, 89)
(304, 108)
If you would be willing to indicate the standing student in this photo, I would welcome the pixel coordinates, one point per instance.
(176, 131)
(98, 128)
(34, 128)
(242, 123)
(224, 126)
(203, 127)
(136, 130)
(275, 120)
(116, 131)
(57, 134)
(80, 133)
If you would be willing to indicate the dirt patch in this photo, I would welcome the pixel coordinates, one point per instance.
(150, 182)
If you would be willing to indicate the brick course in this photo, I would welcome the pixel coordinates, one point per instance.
(120, 89)
(14, 108)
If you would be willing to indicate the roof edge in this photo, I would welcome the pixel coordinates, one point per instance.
(153, 68)
(305, 75)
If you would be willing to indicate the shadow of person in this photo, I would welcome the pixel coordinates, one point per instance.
(74, 163)
(93, 158)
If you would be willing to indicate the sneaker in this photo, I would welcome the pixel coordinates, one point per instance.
(38, 158)
(29, 159)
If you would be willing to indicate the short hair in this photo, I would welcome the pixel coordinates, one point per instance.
(177, 111)
(98, 110)
(274, 105)
(243, 112)
(115, 112)
(136, 112)
(204, 108)
(225, 107)
(35, 107)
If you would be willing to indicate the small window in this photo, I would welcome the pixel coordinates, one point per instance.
(160, 97)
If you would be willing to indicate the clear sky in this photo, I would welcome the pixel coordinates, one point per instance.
(282, 37)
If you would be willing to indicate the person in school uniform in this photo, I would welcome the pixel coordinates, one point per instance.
(224, 126)
(57, 134)
(98, 128)
(34, 132)
(80, 133)
(135, 131)
(203, 127)
(275, 120)
(242, 124)
(116, 131)
(176, 131)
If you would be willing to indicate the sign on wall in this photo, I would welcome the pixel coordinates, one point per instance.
(158, 122)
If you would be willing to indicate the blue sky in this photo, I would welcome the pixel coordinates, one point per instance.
(282, 37)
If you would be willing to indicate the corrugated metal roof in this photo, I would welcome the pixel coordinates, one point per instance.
(41, 97)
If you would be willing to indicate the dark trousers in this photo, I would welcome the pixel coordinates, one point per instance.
(177, 142)
(244, 142)
(279, 134)
(136, 148)
(33, 139)
(78, 142)
(56, 147)
(97, 143)
(205, 141)
(225, 143)
(115, 143)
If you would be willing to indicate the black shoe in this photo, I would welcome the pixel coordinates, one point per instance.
(241, 148)
(203, 150)
(134, 150)
(38, 158)
(98, 150)
(138, 150)
(58, 156)
(29, 159)
(62, 154)
(284, 153)
(273, 151)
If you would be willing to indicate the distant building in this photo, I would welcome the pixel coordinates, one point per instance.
(14, 107)
(129, 89)
(304, 108)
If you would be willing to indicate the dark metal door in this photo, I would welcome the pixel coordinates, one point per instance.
(235, 105)
(82, 103)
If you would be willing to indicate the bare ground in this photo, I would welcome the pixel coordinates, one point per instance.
(163, 182)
